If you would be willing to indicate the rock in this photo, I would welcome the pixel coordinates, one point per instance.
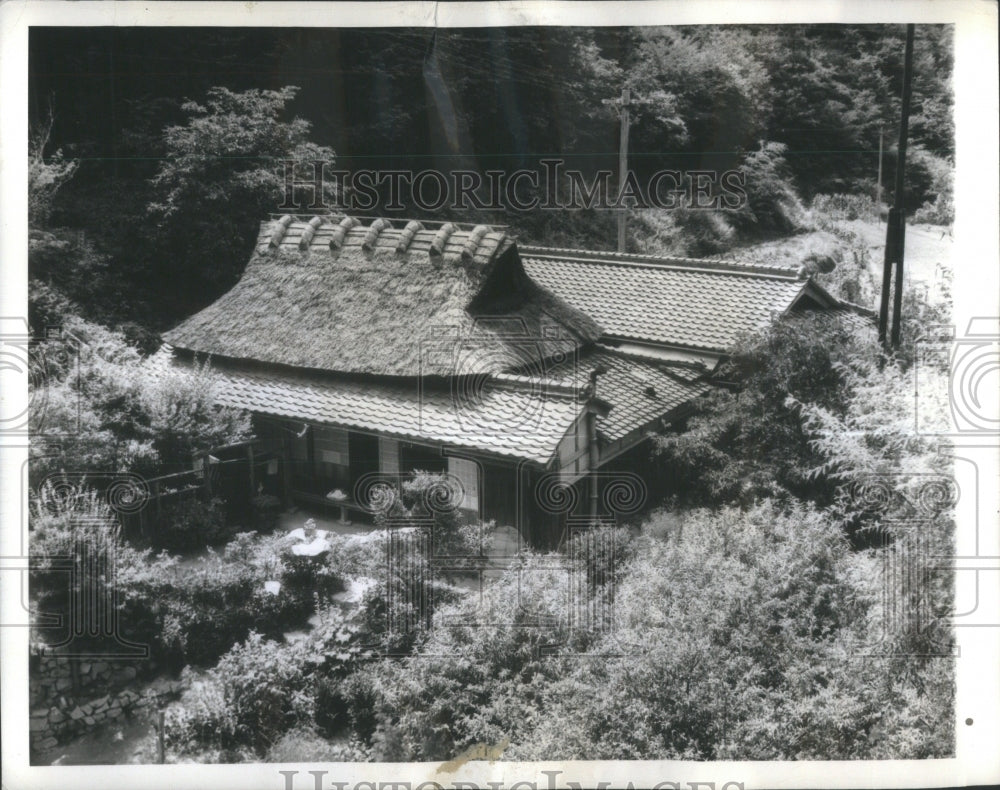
(38, 725)
(63, 683)
(85, 668)
(76, 714)
(129, 673)
(319, 545)
(90, 721)
(48, 743)
(56, 715)
(99, 667)
(114, 713)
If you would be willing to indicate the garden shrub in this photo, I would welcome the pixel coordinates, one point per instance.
(261, 689)
(603, 551)
(308, 577)
(192, 524)
(304, 745)
(118, 417)
(434, 496)
(258, 691)
(478, 674)
(347, 703)
(63, 519)
(195, 614)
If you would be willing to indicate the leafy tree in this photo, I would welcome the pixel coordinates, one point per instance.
(109, 415)
(773, 205)
(223, 172)
(749, 441)
(45, 176)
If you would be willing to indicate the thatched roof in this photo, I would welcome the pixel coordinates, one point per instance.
(336, 294)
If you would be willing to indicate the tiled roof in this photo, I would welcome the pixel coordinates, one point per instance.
(683, 302)
(639, 391)
(505, 421)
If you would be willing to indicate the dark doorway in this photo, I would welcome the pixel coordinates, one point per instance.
(362, 454)
(500, 494)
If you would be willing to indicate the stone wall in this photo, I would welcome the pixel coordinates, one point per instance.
(70, 695)
(50, 726)
(55, 679)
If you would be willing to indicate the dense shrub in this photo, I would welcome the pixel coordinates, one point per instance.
(303, 745)
(308, 688)
(65, 521)
(738, 634)
(477, 677)
(195, 613)
(436, 497)
(192, 524)
(845, 207)
(773, 204)
(258, 691)
(939, 212)
(750, 442)
(603, 552)
(114, 415)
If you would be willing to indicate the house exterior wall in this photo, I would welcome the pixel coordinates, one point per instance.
(501, 491)
(573, 450)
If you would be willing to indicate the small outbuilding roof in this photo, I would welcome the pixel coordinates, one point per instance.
(638, 391)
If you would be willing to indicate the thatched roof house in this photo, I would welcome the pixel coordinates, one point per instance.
(366, 349)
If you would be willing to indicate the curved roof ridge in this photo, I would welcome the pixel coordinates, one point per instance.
(332, 233)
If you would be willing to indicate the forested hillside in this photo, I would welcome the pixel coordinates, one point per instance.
(156, 155)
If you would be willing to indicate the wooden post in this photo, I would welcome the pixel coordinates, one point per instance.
(253, 493)
(593, 461)
(286, 469)
(160, 751)
(207, 469)
(623, 164)
(878, 184)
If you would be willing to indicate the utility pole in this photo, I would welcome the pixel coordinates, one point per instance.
(878, 184)
(623, 163)
(895, 235)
